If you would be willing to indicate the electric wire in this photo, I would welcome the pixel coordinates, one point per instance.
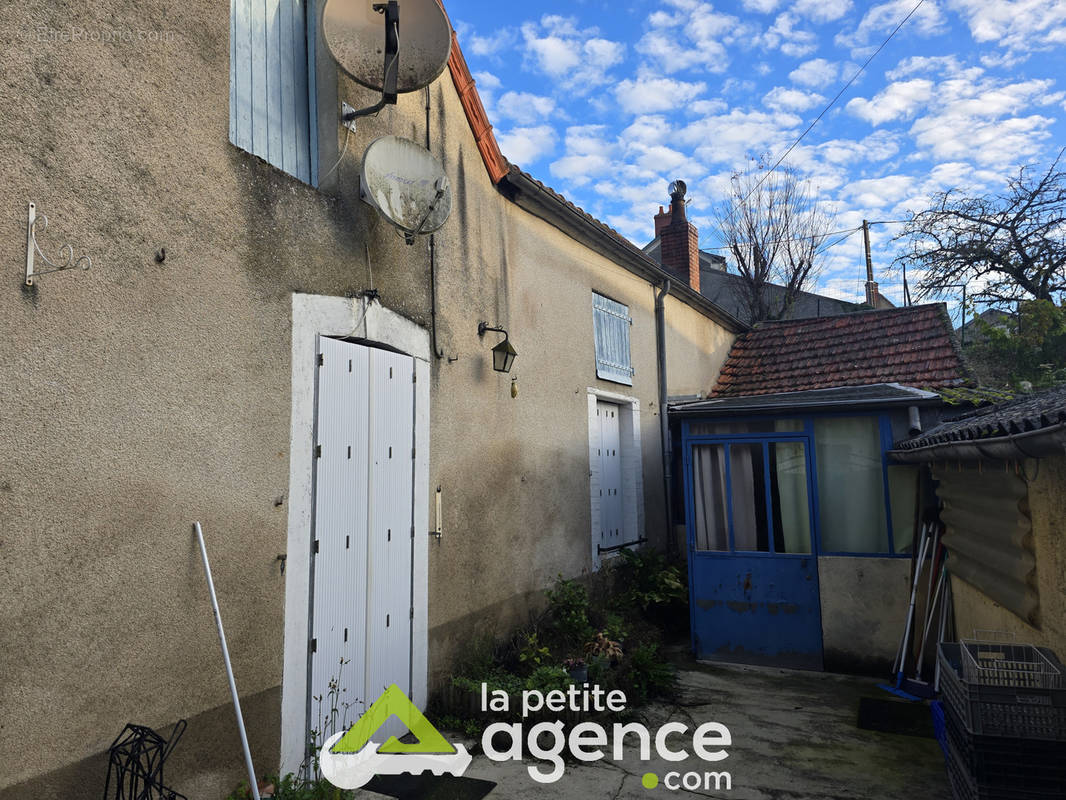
(831, 104)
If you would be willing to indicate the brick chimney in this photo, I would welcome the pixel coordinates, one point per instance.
(679, 239)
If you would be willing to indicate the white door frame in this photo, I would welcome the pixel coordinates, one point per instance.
(632, 469)
(313, 316)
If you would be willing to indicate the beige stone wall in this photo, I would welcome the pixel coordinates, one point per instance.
(1047, 504)
(140, 396)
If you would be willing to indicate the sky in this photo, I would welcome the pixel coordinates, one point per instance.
(607, 102)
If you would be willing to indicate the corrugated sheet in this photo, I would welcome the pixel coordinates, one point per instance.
(611, 325)
(271, 88)
(989, 536)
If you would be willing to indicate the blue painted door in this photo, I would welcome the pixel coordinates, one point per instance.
(753, 566)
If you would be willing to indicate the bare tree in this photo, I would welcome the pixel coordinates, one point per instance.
(1010, 246)
(773, 228)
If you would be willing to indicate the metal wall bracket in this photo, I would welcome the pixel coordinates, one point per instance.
(33, 250)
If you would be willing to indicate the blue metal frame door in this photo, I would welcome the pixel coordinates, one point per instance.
(753, 567)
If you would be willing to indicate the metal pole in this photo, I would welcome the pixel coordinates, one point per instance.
(253, 784)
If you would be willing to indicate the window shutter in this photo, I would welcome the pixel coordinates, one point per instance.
(611, 323)
(271, 103)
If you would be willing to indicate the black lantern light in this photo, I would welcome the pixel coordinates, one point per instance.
(503, 354)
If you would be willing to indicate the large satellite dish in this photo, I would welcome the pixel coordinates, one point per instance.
(368, 40)
(407, 185)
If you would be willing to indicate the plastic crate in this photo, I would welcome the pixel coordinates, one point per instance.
(936, 708)
(1007, 664)
(1008, 764)
(1024, 711)
(965, 786)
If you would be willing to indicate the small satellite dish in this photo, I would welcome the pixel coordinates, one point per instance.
(356, 32)
(407, 185)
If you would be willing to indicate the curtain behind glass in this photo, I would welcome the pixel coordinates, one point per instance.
(792, 519)
(851, 491)
(708, 490)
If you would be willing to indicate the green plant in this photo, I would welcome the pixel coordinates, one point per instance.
(547, 677)
(533, 653)
(293, 787)
(650, 580)
(648, 675)
(568, 608)
(603, 647)
(495, 678)
(615, 628)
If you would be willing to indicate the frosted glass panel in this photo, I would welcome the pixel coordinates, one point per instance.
(851, 490)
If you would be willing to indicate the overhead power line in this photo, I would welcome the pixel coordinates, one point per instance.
(832, 103)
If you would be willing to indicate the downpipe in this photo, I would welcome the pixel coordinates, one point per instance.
(664, 423)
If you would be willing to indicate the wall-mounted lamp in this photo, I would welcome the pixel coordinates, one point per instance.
(503, 354)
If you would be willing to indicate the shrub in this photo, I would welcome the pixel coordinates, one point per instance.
(568, 608)
(648, 675)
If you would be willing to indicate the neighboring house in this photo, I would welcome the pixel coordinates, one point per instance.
(294, 376)
(1001, 475)
(726, 289)
(799, 527)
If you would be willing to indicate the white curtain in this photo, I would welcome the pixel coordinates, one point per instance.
(708, 485)
(851, 489)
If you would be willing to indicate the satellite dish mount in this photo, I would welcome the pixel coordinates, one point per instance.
(391, 10)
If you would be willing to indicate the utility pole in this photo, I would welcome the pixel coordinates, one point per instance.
(872, 293)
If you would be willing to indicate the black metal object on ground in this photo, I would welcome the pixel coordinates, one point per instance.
(895, 716)
(430, 787)
(136, 761)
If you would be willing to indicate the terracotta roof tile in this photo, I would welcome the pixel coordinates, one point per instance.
(912, 346)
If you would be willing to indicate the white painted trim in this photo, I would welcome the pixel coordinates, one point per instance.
(632, 469)
(313, 316)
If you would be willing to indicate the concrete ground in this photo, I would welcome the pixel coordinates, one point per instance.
(794, 737)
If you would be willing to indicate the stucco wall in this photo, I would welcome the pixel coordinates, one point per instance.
(140, 396)
(864, 608)
(1047, 505)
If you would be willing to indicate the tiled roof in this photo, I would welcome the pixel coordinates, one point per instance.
(911, 346)
(1011, 418)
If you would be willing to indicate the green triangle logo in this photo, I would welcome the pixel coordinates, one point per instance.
(393, 703)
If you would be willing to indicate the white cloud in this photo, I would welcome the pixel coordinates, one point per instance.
(881, 19)
(528, 144)
(1018, 26)
(939, 66)
(988, 121)
(525, 108)
(696, 37)
(781, 98)
(487, 84)
(821, 10)
(899, 100)
(761, 6)
(648, 95)
(578, 60)
(732, 138)
(785, 36)
(816, 73)
(879, 193)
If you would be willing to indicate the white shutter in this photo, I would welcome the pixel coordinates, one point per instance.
(611, 323)
(271, 108)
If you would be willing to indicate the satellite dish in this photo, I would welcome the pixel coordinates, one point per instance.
(407, 185)
(358, 36)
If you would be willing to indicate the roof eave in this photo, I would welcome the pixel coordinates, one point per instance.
(528, 195)
(1040, 443)
(776, 404)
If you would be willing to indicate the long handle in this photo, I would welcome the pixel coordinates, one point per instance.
(252, 783)
(901, 654)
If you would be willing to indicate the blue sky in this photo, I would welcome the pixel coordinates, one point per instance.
(608, 101)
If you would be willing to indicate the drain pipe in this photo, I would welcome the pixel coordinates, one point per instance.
(664, 423)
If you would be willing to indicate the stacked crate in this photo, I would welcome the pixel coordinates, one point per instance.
(1005, 721)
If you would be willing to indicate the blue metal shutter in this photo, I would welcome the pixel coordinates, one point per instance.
(271, 102)
(611, 322)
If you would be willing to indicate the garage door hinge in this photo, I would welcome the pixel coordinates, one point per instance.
(316, 546)
(412, 531)
(321, 359)
(414, 377)
(318, 451)
(314, 645)
(412, 614)
(412, 452)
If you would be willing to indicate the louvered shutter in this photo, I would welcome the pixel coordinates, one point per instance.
(271, 104)
(611, 322)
